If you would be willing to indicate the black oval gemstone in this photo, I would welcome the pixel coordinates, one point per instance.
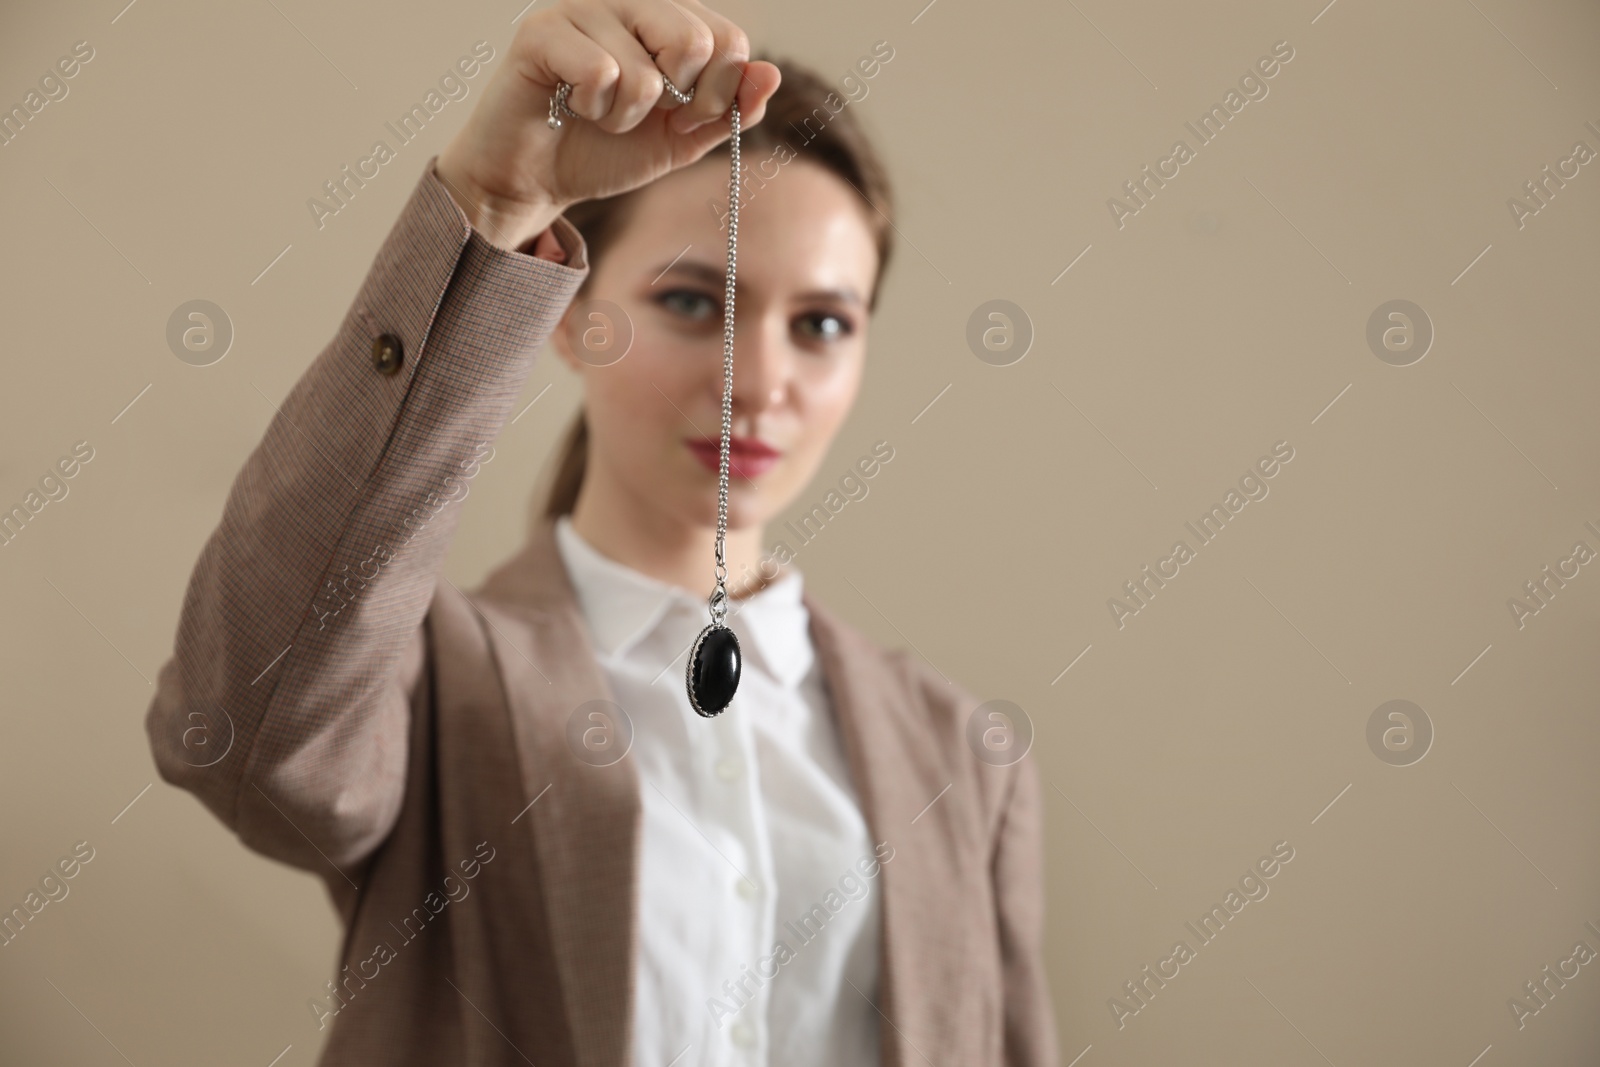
(714, 670)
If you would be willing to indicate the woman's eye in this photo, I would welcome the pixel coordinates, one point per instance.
(825, 326)
(689, 304)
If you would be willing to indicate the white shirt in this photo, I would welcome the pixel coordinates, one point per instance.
(750, 823)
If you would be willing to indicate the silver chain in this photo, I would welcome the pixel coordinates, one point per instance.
(719, 597)
(718, 601)
(558, 102)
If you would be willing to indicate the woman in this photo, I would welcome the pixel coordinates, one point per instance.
(540, 853)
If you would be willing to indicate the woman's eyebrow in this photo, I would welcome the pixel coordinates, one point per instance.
(846, 295)
(717, 276)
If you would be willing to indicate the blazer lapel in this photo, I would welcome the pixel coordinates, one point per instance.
(897, 769)
(584, 818)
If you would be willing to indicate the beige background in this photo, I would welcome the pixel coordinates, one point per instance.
(1228, 315)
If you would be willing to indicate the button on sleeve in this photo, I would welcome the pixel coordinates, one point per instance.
(387, 353)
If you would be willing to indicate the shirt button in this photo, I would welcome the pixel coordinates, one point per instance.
(743, 1035)
(387, 353)
(746, 888)
(728, 769)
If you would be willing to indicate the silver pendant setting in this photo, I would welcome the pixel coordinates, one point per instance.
(714, 666)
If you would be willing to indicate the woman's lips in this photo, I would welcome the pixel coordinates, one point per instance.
(747, 457)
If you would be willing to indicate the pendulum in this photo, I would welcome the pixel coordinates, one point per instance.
(714, 661)
(712, 677)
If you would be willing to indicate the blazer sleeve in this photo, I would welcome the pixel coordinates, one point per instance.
(285, 706)
(1030, 1027)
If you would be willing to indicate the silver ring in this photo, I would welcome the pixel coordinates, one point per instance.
(558, 102)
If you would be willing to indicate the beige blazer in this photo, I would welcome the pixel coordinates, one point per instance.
(346, 710)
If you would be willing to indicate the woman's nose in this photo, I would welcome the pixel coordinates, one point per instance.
(762, 366)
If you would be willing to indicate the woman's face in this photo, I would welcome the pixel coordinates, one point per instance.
(806, 261)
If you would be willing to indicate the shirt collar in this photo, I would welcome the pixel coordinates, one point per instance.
(622, 606)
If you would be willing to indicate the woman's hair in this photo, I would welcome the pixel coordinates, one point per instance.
(808, 120)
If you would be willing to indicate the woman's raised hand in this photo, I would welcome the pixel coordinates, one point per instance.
(512, 174)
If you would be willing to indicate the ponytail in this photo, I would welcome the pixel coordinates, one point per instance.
(572, 458)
